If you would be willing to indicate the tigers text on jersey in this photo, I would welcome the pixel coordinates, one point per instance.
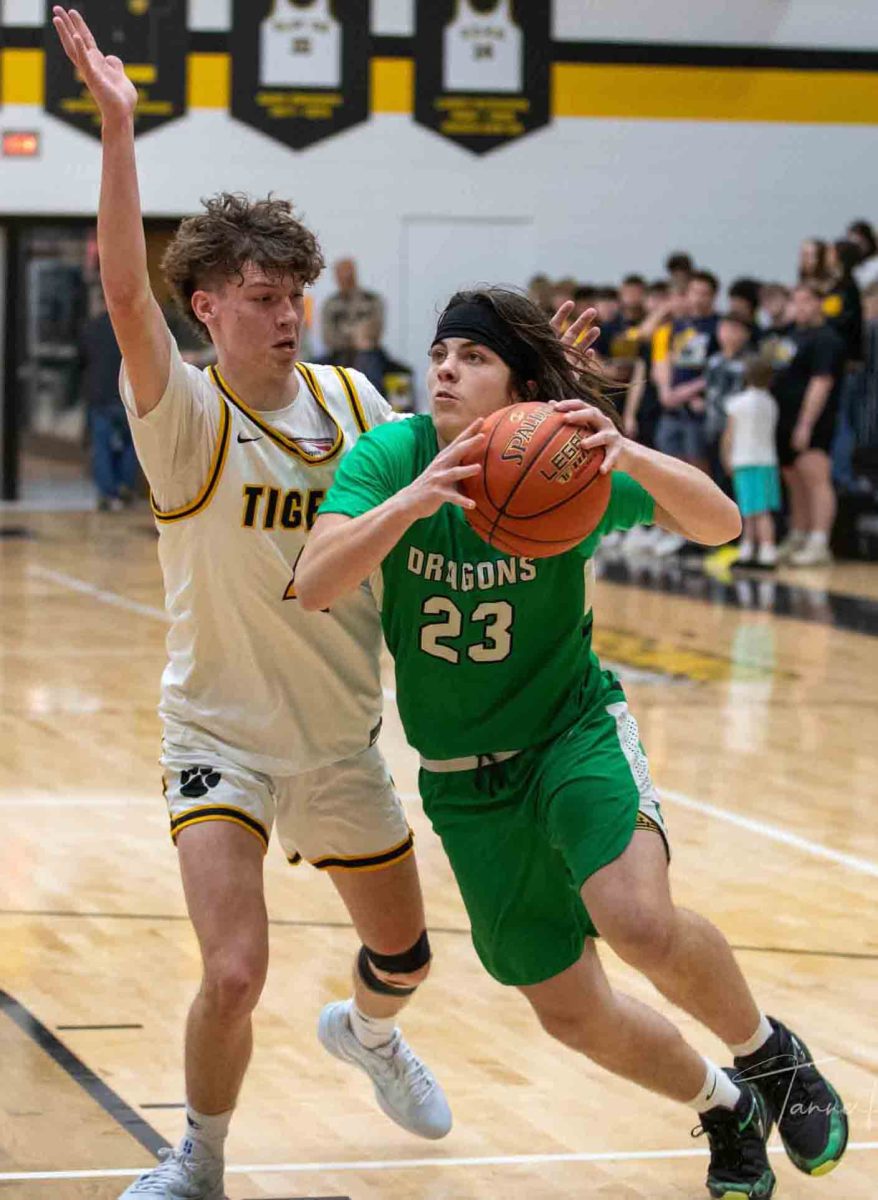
(492, 653)
(250, 674)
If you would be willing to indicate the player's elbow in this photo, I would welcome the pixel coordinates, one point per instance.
(311, 596)
(726, 524)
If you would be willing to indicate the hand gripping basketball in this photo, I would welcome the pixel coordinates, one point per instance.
(540, 489)
(441, 482)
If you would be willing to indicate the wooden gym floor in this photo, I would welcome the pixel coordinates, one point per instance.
(762, 731)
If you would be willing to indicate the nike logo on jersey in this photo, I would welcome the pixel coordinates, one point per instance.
(242, 439)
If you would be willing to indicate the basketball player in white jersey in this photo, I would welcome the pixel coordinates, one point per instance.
(270, 713)
(483, 49)
(300, 46)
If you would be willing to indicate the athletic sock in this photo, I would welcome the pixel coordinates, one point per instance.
(718, 1090)
(818, 539)
(371, 1032)
(205, 1136)
(763, 1032)
(745, 550)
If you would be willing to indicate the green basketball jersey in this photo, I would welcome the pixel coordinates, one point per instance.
(492, 653)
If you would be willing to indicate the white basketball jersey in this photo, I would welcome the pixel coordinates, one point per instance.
(300, 47)
(250, 673)
(483, 52)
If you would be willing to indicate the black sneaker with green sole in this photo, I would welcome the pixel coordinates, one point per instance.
(739, 1163)
(809, 1112)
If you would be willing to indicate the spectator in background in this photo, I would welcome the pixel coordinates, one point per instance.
(842, 305)
(680, 268)
(583, 298)
(343, 311)
(393, 379)
(843, 309)
(750, 456)
(113, 459)
(563, 290)
(619, 344)
(723, 379)
(539, 290)
(632, 299)
(606, 302)
(807, 392)
(744, 298)
(862, 234)
(867, 424)
(680, 373)
(774, 300)
(812, 263)
(775, 342)
(641, 410)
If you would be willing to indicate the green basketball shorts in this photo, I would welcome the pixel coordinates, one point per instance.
(524, 834)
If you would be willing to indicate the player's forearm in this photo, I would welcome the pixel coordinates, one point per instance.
(690, 498)
(121, 241)
(340, 555)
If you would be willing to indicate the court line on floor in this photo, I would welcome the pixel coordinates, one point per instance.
(95, 1087)
(409, 1164)
(862, 865)
(103, 594)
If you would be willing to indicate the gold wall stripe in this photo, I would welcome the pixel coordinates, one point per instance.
(715, 93)
(393, 85)
(578, 90)
(209, 84)
(22, 72)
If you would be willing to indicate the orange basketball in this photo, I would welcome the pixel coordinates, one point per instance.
(540, 491)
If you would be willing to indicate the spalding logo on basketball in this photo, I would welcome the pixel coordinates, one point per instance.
(540, 491)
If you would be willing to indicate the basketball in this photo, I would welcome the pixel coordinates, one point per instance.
(540, 491)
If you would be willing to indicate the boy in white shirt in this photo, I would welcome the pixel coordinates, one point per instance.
(750, 454)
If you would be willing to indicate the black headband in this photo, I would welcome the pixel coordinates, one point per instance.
(478, 321)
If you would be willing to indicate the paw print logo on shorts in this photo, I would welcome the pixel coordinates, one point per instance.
(196, 782)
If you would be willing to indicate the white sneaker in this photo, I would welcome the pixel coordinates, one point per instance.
(791, 544)
(404, 1088)
(179, 1177)
(811, 555)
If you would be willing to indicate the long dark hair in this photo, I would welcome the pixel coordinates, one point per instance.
(562, 372)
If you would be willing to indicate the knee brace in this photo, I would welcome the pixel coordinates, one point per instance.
(413, 959)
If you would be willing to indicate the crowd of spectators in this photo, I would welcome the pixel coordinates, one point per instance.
(782, 382)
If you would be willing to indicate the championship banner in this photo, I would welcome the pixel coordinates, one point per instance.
(300, 68)
(151, 39)
(482, 70)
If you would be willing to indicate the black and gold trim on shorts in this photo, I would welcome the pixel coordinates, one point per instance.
(646, 822)
(219, 812)
(280, 439)
(353, 399)
(205, 496)
(368, 862)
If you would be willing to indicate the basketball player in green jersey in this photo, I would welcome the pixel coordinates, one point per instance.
(532, 771)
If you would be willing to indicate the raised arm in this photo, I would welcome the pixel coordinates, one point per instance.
(138, 323)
